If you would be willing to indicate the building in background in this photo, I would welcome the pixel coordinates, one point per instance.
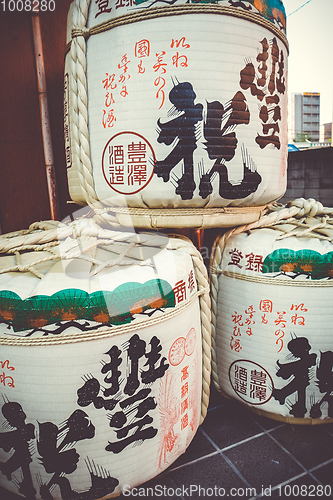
(326, 132)
(304, 117)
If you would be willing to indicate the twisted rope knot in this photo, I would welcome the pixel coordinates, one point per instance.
(309, 207)
(215, 270)
(77, 31)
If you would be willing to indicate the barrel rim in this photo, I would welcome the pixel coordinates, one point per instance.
(177, 10)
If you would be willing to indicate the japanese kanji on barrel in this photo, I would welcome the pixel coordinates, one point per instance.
(105, 357)
(176, 106)
(272, 287)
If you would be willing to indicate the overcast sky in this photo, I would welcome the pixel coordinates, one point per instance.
(310, 36)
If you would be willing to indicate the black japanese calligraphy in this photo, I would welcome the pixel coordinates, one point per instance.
(221, 144)
(55, 446)
(325, 385)
(300, 348)
(183, 128)
(131, 388)
(182, 131)
(18, 440)
(266, 88)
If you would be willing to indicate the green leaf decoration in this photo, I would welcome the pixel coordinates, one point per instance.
(328, 264)
(10, 304)
(135, 298)
(104, 307)
(302, 262)
(98, 310)
(70, 305)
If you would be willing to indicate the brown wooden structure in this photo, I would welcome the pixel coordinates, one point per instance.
(23, 183)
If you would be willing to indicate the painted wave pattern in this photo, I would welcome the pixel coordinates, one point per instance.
(309, 263)
(104, 307)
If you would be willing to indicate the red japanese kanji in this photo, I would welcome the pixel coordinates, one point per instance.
(184, 421)
(191, 282)
(185, 373)
(184, 390)
(235, 344)
(159, 63)
(266, 306)
(109, 99)
(237, 331)
(178, 43)
(298, 320)
(299, 307)
(237, 318)
(236, 257)
(254, 262)
(184, 405)
(109, 81)
(142, 48)
(103, 6)
(179, 291)
(116, 155)
(108, 119)
(179, 59)
(125, 3)
(281, 320)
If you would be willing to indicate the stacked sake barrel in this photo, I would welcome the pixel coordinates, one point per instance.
(176, 115)
(105, 354)
(271, 291)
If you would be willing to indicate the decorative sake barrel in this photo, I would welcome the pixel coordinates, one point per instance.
(103, 378)
(272, 292)
(176, 106)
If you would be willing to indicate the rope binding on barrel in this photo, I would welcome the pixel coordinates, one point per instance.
(176, 10)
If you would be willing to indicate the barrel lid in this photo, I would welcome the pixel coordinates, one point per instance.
(59, 277)
(292, 242)
(271, 10)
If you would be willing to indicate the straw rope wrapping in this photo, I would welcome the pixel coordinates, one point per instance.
(46, 236)
(79, 110)
(300, 218)
(78, 80)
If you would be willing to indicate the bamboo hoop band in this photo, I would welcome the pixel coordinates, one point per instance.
(78, 81)
(301, 213)
(42, 236)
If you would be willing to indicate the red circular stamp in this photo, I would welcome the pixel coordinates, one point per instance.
(128, 162)
(191, 339)
(177, 351)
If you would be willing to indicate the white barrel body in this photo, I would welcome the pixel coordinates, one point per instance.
(274, 344)
(101, 367)
(188, 110)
